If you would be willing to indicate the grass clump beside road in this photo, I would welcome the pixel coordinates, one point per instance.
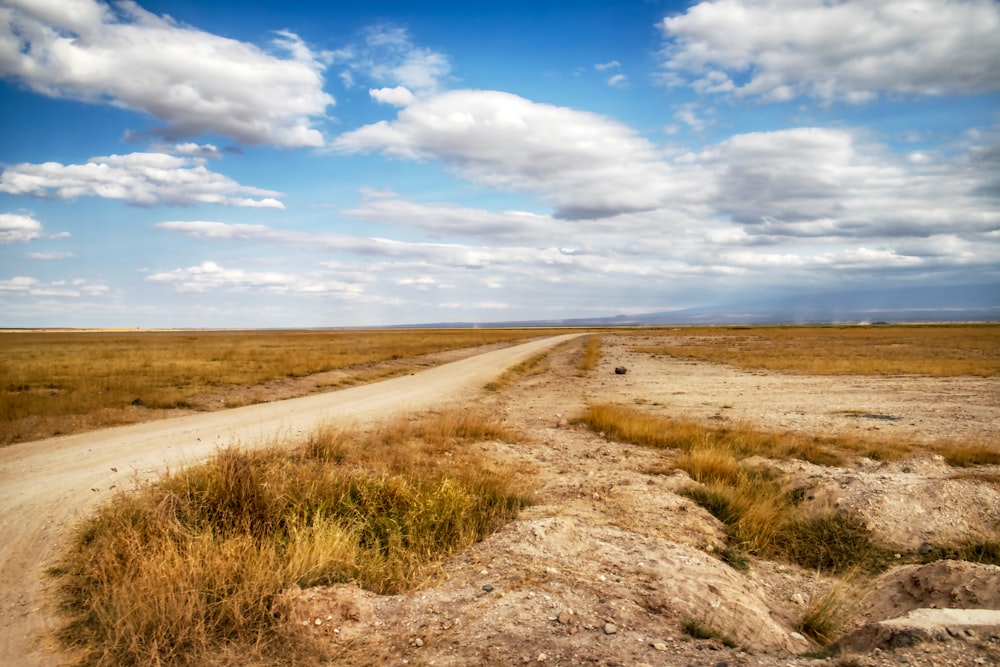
(186, 570)
(591, 353)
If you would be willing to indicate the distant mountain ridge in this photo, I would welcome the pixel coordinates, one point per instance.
(940, 304)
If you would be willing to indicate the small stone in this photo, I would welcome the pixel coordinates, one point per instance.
(418, 642)
(564, 617)
(620, 370)
(488, 588)
(541, 657)
(318, 621)
(660, 646)
(610, 628)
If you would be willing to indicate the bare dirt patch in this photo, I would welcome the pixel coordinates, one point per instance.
(613, 566)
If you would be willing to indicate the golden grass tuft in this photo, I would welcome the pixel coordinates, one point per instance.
(187, 569)
(828, 613)
(533, 366)
(968, 454)
(591, 353)
(742, 440)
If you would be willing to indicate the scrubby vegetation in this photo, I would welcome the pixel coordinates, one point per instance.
(760, 511)
(185, 570)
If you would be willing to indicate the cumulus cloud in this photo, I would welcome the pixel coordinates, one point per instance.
(193, 81)
(16, 228)
(817, 182)
(399, 96)
(587, 165)
(141, 179)
(841, 51)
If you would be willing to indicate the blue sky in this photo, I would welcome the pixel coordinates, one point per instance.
(293, 164)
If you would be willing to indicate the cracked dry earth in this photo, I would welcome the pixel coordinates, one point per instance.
(611, 561)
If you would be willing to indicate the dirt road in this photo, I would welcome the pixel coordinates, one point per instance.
(46, 485)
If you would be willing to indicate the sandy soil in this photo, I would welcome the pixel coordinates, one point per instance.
(611, 562)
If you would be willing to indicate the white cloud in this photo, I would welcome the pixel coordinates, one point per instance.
(603, 67)
(586, 164)
(825, 183)
(28, 286)
(193, 81)
(196, 150)
(834, 51)
(618, 81)
(399, 96)
(441, 219)
(142, 179)
(212, 276)
(388, 56)
(443, 254)
(688, 114)
(18, 284)
(16, 228)
(49, 256)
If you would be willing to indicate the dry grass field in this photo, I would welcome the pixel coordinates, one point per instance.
(60, 382)
(933, 350)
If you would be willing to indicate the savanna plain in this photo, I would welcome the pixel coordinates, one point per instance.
(686, 496)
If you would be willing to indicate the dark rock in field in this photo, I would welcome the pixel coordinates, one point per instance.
(621, 370)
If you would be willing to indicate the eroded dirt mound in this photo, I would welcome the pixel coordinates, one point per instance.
(946, 584)
(905, 504)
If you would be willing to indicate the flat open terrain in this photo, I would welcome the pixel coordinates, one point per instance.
(613, 564)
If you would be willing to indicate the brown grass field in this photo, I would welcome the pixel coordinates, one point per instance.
(933, 350)
(60, 382)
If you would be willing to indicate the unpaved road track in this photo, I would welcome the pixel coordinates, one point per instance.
(46, 485)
